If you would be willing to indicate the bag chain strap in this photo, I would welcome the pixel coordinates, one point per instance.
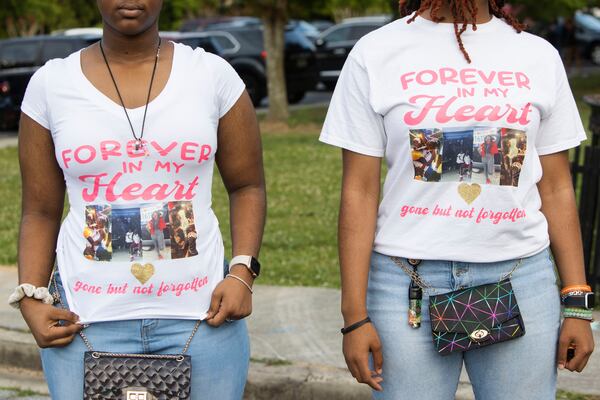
(414, 275)
(97, 354)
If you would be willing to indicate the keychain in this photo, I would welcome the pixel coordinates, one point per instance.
(415, 297)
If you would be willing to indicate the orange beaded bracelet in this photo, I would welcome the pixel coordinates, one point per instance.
(571, 288)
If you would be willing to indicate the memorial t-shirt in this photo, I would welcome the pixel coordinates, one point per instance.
(161, 196)
(408, 94)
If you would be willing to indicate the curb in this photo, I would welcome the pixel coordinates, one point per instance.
(19, 350)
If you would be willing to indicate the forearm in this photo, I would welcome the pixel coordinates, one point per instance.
(357, 222)
(37, 244)
(247, 218)
(559, 207)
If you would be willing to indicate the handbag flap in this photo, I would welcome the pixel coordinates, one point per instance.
(476, 309)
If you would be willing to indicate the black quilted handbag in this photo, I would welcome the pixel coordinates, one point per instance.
(114, 376)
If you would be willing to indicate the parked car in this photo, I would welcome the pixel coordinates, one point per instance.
(321, 24)
(244, 48)
(20, 58)
(334, 45)
(219, 43)
(587, 33)
(215, 23)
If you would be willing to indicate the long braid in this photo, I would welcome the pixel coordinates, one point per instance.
(464, 13)
(458, 14)
(496, 7)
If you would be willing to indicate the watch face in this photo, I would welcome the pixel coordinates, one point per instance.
(590, 300)
(255, 266)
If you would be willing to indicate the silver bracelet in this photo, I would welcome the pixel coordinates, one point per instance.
(28, 290)
(241, 280)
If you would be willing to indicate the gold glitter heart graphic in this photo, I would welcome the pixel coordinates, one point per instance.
(469, 192)
(142, 273)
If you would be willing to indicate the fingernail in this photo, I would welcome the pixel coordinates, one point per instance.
(379, 371)
(561, 366)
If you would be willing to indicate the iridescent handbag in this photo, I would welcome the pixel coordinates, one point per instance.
(116, 376)
(474, 317)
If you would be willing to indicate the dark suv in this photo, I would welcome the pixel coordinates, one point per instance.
(334, 45)
(20, 58)
(241, 40)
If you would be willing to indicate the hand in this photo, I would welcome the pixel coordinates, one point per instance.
(42, 320)
(230, 299)
(577, 332)
(357, 345)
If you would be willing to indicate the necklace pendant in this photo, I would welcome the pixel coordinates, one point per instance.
(139, 145)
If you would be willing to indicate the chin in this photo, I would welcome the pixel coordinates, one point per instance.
(130, 17)
(131, 27)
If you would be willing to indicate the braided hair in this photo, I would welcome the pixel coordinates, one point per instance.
(464, 13)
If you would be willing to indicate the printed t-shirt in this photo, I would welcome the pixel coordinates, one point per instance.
(408, 94)
(114, 188)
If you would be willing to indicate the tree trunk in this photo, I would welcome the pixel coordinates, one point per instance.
(274, 22)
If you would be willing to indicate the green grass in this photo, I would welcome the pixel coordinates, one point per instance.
(564, 395)
(10, 198)
(17, 392)
(303, 183)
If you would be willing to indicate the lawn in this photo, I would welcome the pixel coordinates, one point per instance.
(303, 182)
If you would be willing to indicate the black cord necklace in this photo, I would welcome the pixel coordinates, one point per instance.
(139, 144)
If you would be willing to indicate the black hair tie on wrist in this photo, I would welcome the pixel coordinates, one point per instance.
(355, 326)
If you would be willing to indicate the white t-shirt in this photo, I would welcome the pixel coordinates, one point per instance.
(407, 93)
(113, 188)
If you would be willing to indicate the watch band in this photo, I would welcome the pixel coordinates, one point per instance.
(243, 260)
(585, 300)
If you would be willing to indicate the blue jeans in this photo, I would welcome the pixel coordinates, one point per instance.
(519, 369)
(220, 356)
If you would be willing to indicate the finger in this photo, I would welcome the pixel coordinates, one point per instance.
(215, 304)
(580, 360)
(64, 315)
(563, 346)
(59, 332)
(62, 342)
(377, 358)
(220, 317)
(366, 375)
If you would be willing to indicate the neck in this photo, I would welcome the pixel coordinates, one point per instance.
(130, 49)
(483, 13)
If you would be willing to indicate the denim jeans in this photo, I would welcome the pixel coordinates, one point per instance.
(220, 356)
(519, 369)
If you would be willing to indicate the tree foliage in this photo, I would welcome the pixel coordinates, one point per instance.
(30, 17)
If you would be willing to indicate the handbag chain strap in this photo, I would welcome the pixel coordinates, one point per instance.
(414, 275)
(97, 354)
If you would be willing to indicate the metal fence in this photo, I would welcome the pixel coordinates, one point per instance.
(585, 169)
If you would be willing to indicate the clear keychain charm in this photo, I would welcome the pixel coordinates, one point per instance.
(415, 299)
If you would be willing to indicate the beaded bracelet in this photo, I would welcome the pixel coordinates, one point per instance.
(579, 313)
(585, 288)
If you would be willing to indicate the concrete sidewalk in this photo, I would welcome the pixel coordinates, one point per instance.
(296, 347)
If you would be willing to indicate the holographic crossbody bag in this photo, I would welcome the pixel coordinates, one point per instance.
(474, 317)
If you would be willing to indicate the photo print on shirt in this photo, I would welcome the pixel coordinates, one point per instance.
(183, 230)
(427, 149)
(98, 233)
(482, 155)
(127, 234)
(140, 233)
